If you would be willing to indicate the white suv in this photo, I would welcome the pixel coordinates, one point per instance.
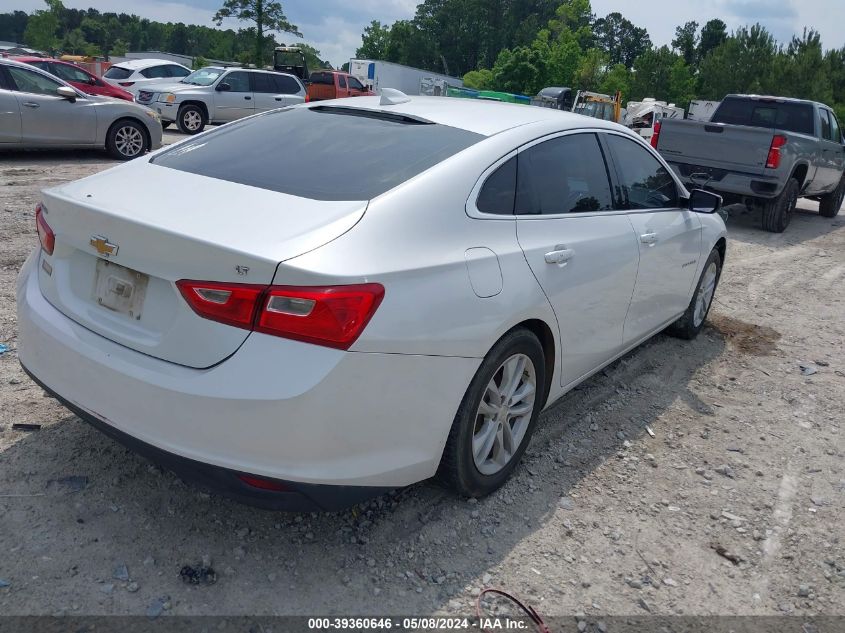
(136, 73)
(218, 95)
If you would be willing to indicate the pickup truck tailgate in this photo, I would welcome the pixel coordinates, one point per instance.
(728, 147)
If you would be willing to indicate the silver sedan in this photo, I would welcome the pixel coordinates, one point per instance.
(39, 110)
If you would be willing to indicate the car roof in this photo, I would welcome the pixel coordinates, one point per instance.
(773, 98)
(140, 64)
(475, 115)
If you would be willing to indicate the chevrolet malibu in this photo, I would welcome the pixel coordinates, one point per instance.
(337, 299)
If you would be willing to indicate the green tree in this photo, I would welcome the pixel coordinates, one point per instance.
(41, 28)
(562, 55)
(591, 70)
(713, 34)
(800, 70)
(652, 75)
(618, 77)
(119, 48)
(686, 42)
(479, 79)
(521, 70)
(374, 42)
(744, 63)
(682, 84)
(267, 15)
(621, 41)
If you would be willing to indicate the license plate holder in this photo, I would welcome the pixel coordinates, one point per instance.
(120, 289)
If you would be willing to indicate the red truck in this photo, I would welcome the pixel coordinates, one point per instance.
(333, 84)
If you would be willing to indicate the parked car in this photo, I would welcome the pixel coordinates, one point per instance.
(333, 84)
(135, 74)
(77, 77)
(764, 151)
(39, 110)
(336, 299)
(219, 95)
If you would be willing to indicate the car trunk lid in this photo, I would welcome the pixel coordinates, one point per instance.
(118, 254)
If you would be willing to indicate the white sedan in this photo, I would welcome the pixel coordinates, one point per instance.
(312, 305)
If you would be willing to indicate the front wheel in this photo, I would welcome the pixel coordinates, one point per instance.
(191, 119)
(691, 322)
(127, 140)
(497, 416)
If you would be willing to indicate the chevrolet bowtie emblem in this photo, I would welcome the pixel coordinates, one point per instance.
(103, 246)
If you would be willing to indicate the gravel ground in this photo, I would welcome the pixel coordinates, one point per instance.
(686, 478)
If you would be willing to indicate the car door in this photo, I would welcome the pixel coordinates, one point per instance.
(48, 119)
(356, 88)
(581, 250)
(668, 236)
(833, 153)
(10, 113)
(77, 78)
(266, 93)
(234, 102)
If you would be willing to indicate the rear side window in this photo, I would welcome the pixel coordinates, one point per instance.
(116, 72)
(155, 72)
(341, 80)
(825, 119)
(563, 175)
(792, 117)
(263, 83)
(646, 183)
(322, 78)
(498, 193)
(286, 85)
(306, 151)
(835, 130)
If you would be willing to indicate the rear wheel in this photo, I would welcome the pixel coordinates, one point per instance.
(497, 416)
(830, 204)
(191, 119)
(691, 322)
(777, 212)
(127, 139)
(165, 124)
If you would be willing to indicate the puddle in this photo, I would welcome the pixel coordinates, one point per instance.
(757, 340)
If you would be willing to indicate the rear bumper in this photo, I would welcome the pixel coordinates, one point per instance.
(277, 408)
(730, 182)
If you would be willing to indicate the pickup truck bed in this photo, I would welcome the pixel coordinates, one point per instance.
(763, 151)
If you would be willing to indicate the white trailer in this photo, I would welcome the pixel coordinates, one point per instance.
(377, 75)
(641, 116)
(702, 110)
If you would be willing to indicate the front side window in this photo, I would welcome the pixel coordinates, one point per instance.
(33, 83)
(69, 73)
(177, 71)
(835, 130)
(645, 182)
(563, 175)
(355, 84)
(498, 193)
(825, 120)
(238, 81)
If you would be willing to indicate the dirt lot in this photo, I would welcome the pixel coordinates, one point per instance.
(745, 463)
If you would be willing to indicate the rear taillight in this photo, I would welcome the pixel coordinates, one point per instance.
(655, 138)
(263, 484)
(307, 98)
(333, 316)
(232, 304)
(45, 233)
(125, 83)
(773, 159)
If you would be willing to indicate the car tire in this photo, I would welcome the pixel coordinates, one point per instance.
(830, 204)
(692, 321)
(487, 440)
(778, 211)
(165, 124)
(127, 139)
(191, 119)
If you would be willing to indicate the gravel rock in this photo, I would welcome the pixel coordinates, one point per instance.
(121, 572)
(567, 503)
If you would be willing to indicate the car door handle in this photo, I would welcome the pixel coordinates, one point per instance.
(247, 98)
(31, 104)
(649, 238)
(278, 98)
(561, 255)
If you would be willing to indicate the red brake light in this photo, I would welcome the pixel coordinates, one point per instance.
(307, 98)
(773, 159)
(656, 136)
(232, 304)
(263, 484)
(45, 233)
(326, 315)
(333, 316)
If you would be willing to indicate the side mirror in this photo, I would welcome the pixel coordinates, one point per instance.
(702, 201)
(223, 87)
(65, 92)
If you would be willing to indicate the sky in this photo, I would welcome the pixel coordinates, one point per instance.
(334, 26)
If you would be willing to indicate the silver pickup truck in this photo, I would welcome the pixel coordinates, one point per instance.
(763, 151)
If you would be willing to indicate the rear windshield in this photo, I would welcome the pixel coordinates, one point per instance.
(116, 72)
(791, 117)
(322, 78)
(321, 152)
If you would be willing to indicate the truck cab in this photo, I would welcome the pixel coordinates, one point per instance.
(291, 60)
(333, 84)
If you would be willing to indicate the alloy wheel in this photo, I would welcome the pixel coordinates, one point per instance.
(192, 120)
(129, 141)
(704, 296)
(504, 414)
